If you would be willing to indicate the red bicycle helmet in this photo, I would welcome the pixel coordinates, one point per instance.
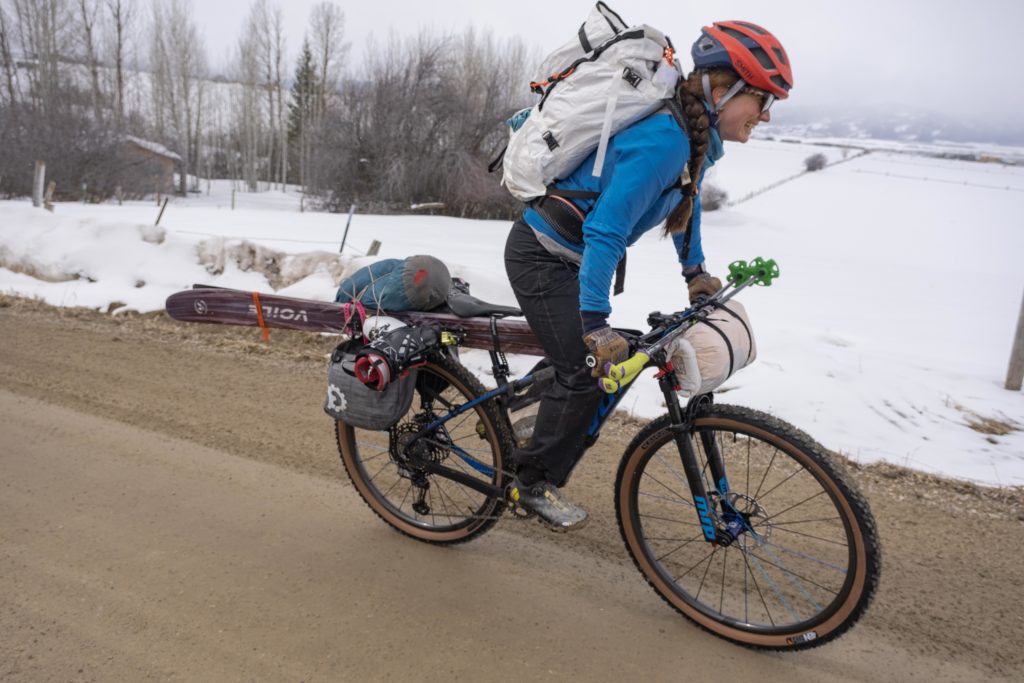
(749, 50)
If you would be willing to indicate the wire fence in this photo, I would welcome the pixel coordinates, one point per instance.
(889, 174)
(779, 183)
(268, 239)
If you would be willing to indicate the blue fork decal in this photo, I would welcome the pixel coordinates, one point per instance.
(705, 518)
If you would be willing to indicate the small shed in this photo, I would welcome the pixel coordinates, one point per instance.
(147, 167)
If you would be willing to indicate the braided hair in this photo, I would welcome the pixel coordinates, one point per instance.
(690, 95)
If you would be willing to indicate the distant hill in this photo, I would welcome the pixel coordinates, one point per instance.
(881, 122)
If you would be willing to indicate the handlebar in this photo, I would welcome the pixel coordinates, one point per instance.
(742, 274)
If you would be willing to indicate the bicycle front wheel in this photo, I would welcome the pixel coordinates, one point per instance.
(805, 562)
(430, 507)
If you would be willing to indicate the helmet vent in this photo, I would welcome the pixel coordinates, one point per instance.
(781, 82)
(744, 39)
(781, 56)
(756, 29)
(762, 57)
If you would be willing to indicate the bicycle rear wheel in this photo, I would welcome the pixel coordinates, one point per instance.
(806, 563)
(429, 507)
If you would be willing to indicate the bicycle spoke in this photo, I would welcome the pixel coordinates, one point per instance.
(671, 521)
(443, 388)
(772, 489)
(795, 553)
(667, 500)
(671, 471)
(382, 468)
(760, 594)
(695, 538)
(816, 538)
(771, 462)
(775, 589)
(807, 521)
(793, 506)
(703, 578)
(699, 562)
(721, 597)
(664, 486)
(794, 574)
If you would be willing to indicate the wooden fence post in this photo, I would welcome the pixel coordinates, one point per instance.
(37, 185)
(1015, 373)
(48, 197)
(161, 215)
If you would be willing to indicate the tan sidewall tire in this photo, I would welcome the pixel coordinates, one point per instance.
(346, 436)
(636, 548)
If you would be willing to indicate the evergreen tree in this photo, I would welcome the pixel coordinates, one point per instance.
(301, 112)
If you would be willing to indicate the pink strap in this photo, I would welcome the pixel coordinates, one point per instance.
(352, 309)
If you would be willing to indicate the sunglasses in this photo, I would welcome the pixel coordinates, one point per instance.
(767, 98)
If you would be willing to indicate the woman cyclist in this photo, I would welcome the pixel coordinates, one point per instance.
(653, 174)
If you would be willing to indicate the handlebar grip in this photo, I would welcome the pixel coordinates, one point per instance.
(621, 374)
(626, 371)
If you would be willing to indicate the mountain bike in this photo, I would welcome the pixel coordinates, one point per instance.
(738, 520)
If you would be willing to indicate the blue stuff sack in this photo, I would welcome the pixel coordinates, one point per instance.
(416, 283)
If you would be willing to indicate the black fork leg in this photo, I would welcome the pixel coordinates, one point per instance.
(688, 457)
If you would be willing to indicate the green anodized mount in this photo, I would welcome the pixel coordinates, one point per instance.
(761, 271)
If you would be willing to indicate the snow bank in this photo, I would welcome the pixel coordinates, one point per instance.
(886, 337)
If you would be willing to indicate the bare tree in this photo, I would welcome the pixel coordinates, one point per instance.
(87, 11)
(178, 65)
(10, 72)
(43, 27)
(327, 24)
(248, 119)
(265, 30)
(422, 123)
(122, 14)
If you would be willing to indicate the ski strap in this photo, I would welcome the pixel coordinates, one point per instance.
(349, 311)
(259, 317)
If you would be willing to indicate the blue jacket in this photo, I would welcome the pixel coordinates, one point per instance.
(641, 162)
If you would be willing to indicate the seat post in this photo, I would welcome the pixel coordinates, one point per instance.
(499, 364)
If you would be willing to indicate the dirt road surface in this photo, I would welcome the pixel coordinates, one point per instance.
(172, 507)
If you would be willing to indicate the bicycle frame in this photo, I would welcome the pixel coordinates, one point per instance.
(651, 348)
(681, 420)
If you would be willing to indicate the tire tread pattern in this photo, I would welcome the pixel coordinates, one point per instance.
(817, 452)
(503, 435)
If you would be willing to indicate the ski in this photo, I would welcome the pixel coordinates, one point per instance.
(208, 304)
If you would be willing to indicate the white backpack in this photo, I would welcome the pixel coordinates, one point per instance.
(607, 78)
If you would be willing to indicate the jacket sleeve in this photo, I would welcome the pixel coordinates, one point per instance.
(641, 165)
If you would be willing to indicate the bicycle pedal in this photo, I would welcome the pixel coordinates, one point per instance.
(518, 511)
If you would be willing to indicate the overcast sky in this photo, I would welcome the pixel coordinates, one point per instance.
(960, 57)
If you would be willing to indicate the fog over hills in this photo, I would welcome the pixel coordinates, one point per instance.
(882, 122)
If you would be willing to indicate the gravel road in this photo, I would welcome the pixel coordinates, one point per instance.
(172, 507)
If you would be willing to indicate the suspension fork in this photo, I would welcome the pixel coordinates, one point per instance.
(682, 425)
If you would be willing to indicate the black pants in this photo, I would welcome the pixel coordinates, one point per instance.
(548, 291)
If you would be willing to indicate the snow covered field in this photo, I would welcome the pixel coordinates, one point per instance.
(886, 337)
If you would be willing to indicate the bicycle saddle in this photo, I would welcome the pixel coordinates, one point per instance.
(467, 306)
